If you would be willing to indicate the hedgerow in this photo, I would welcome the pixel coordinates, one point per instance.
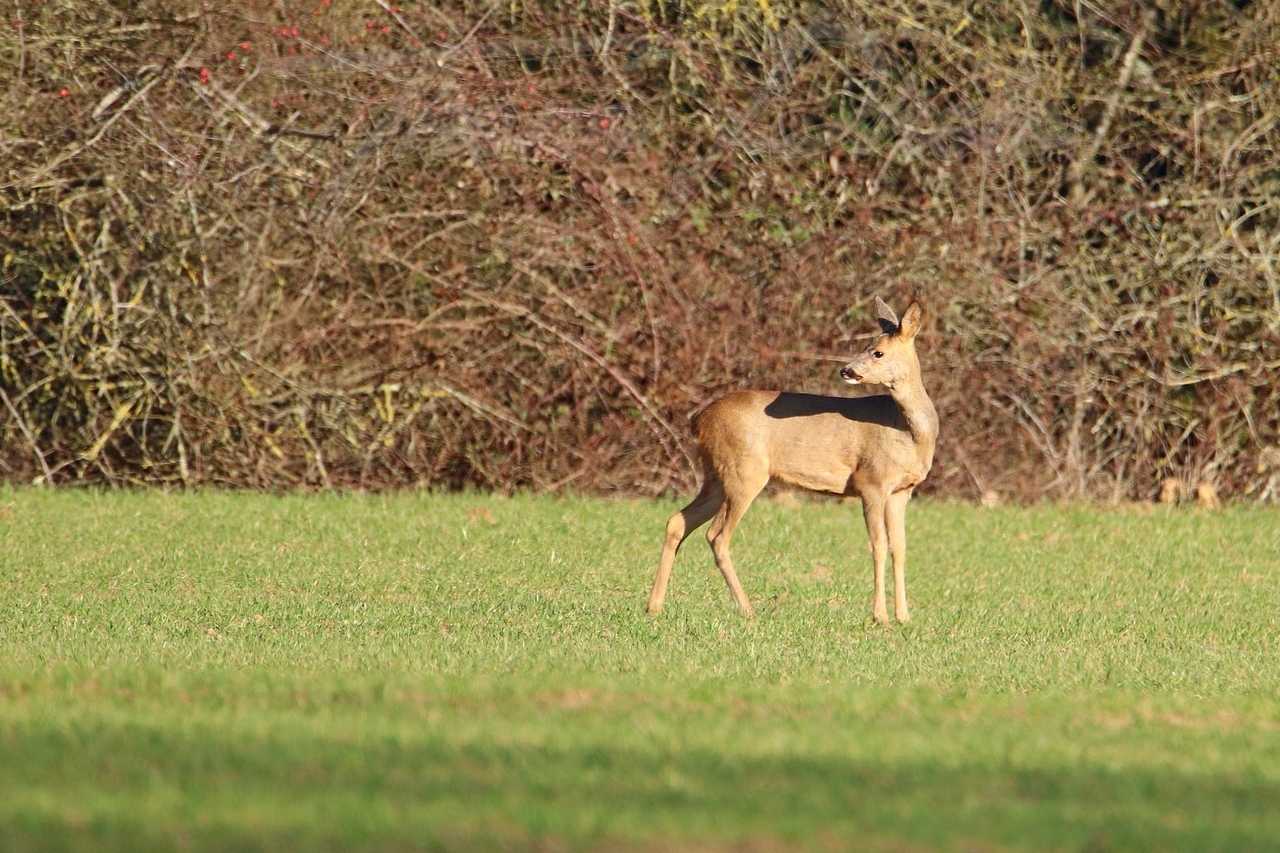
(352, 244)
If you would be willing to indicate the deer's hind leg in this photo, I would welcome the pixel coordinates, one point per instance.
(679, 526)
(739, 492)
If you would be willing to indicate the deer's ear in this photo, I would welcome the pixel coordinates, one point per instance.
(911, 320)
(885, 316)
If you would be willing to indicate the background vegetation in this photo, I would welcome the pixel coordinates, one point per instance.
(276, 243)
(404, 672)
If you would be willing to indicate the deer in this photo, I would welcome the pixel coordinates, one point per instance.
(877, 447)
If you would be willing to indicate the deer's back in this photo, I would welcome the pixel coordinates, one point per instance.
(830, 444)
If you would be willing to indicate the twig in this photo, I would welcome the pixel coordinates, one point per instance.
(520, 311)
(482, 408)
(417, 42)
(1085, 157)
(440, 60)
(22, 41)
(627, 385)
(807, 356)
(604, 53)
(26, 431)
(77, 150)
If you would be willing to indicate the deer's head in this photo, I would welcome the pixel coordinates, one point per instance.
(891, 355)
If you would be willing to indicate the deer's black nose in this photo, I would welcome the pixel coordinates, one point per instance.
(846, 373)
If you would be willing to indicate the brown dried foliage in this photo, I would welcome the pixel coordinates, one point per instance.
(511, 246)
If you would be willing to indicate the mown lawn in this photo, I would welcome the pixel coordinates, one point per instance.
(248, 672)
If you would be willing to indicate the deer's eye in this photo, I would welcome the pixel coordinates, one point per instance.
(878, 354)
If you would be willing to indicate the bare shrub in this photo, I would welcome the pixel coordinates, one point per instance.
(515, 246)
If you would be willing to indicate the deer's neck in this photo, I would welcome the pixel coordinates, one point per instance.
(921, 416)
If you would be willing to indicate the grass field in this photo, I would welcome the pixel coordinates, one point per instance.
(226, 672)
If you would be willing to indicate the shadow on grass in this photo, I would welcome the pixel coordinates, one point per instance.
(107, 785)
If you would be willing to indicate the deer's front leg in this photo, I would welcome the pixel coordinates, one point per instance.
(873, 513)
(896, 519)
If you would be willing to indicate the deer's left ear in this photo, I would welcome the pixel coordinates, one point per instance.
(885, 317)
(911, 320)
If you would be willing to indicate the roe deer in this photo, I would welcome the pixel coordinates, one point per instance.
(877, 447)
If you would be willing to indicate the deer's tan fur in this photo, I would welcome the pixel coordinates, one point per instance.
(877, 447)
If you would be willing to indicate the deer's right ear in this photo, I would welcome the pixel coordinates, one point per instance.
(886, 317)
(911, 319)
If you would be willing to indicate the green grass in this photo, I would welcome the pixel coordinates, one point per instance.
(223, 672)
